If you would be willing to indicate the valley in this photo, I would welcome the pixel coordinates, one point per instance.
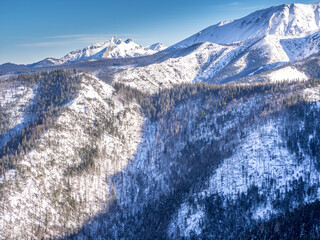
(214, 137)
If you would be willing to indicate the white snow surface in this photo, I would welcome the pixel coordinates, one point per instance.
(113, 48)
(43, 189)
(13, 102)
(187, 219)
(313, 94)
(289, 73)
(260, 157)
(293, 20)
(187, 66)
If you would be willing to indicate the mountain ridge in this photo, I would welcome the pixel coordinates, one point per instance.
(259, 42)
(278, 20)
(113, 48)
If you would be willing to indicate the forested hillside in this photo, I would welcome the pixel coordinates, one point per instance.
(218, 162)
(49, 92)
(215, 137)
(81, 159)
(56, 165)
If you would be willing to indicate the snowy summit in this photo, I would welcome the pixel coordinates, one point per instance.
(287, 20)
(113, 48)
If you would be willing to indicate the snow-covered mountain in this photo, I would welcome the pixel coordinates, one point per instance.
(233, 50)
(159, 154)
(221, 63)
(114, 48)
(46, 62)
(226, 52)
(157, 47)
(293, 20)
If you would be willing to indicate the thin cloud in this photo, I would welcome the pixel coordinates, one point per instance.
(234, 4)
(252, 8)
(59, 40)
(90, 35)
(68, 36)
(44, 44)
(244, 7)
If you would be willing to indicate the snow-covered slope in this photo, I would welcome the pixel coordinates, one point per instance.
(46, 194)
(114, 48)
(157, 47)
(300, 48)
(259, 158)
(183, 67)
(14, 99)
(304, 69)
(204, 168)
(47, 63)
(286, 73)
(223, 63)
(294, 20)
(230, 51)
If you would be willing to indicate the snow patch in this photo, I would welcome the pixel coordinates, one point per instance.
(286, 74)
(260, 157)
(187, 221)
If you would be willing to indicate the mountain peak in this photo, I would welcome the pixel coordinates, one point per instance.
(115, 40)
(287, 20)
(115, 47)
(157, 47)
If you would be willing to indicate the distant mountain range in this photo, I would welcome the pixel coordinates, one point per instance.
(111, 49)
(258, 47)
(114, 48)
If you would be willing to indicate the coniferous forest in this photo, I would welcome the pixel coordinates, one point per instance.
(215, 136)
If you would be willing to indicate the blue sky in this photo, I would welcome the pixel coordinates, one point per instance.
(31, 30)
